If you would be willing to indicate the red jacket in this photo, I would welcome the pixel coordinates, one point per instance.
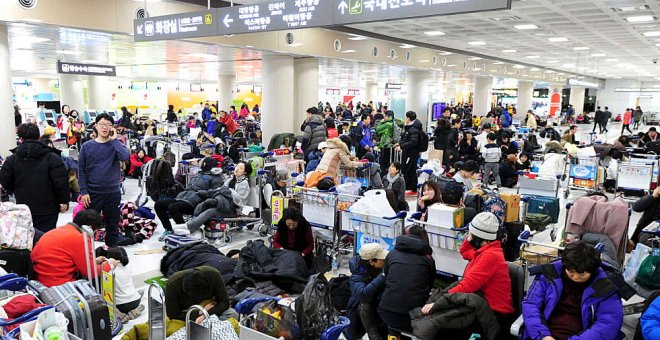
(59, 256)
(137, 163)
(488, 273)
(333, 133)
(229, 123)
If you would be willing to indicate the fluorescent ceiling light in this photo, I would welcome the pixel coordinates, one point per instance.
(407, 46)
(348, 51)
(640, 18)
(533, 57)
(357, 37)
(424, 61)
(479, 43)
(534, 69)
(526, 27)
(498, 63)
(434, 33)
(617, 77)
(518, 66)
(549, 71)
(580, 48)
(509, 51)
(474, 58)
(598, 54)
(631, 8)
(295, 44)
(452, 65)
(652, 34)
(557, 39)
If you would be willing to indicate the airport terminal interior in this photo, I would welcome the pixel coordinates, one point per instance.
(329, 169)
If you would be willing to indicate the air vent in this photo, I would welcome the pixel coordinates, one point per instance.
(140, 13)
(511, 18)
(337, 45)
(374, 52)
(408, 56)
(434, 60)
(289, 38)
(27, 4)
(393, 54)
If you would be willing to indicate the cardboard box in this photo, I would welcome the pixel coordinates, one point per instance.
(446, 215)
(435, 154)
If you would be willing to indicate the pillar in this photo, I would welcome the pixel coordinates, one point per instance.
(371, 92)
(483, 93)
(226, 86)
(98, 93)
(278, 96)
(525, 96)
(306, 85)
(417, 94)
(7, 130)
(577, 99)
(71, 92)
(450, 94)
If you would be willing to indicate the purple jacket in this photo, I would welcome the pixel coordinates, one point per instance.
(602, 311)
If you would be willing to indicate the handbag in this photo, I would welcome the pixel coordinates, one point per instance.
(648, 275)
(16, 229)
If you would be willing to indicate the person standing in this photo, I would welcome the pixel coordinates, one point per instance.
(362, 136)
(314, 131)
(598, 119)
(99, 174)
(36, 175)
(627, 118)
(386, 130)
(171, 115)
(18, 119)
(637, 117)
(409, 145)
(607, 115)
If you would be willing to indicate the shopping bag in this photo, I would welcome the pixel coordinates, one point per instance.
(638, 255)
(277, 321)
(16, 230)
(648, 275)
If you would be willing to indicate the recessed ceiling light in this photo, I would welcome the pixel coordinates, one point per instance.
(498, 63)
(477, 43)
(533, 57)
(295, 44)
(652, 34)
(630, 8)
(424, 61)
(348, 51)
(557, 39)
(598, 54)
(640, 18)
(445, 53)
(249, 46)
(452, 65)
(474, 58)
(406, 46)
(357, 37)
(509, 51)
(434, 33)
(580, 48)
(518, 66)
(526, 27)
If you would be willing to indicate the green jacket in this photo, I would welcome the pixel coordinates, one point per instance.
(385, 131)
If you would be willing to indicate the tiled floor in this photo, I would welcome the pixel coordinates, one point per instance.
(147, 266)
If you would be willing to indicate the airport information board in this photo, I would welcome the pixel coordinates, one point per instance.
(277, 15)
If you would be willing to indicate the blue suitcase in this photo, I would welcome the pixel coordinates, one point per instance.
(175, 241)
(544, 205)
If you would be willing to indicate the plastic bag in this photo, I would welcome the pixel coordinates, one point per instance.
(350, 187)
(648, 275)
(373, 203)
(635, 260)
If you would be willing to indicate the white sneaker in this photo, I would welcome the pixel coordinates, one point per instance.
(180, 229)
(198, 235)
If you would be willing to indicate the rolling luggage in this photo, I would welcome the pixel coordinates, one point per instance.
(512, 211)
(544, 205)
(16, 261)
(175, 241)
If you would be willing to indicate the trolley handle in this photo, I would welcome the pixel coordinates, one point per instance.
(425, 171)
(25, 317)
(267, 154)
(295, 174)
(8, 276)
(526, 237)
(244, 307)
(399, 215)
(262, 172)
(13, 284)
(415, 219)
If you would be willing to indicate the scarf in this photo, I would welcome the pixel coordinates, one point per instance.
(391, 180)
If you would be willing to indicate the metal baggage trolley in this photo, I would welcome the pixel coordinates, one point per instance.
(647, 158)
(635, 176)
(376, 229)
(157, 312)
(584, 174)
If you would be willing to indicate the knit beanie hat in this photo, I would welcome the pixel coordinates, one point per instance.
(485, 226)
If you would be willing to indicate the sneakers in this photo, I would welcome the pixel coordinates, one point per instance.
(163, 235)
(181, 229)
(198, 234)
(411, 193)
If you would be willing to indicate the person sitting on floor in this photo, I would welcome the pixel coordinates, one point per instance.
(394, 181)
(126, 296)
(487, 271)
(202, 286)
(508, 173)
(649, 205)
(138, 159)
(523, 163)
(294, 233)
(572, 298)
(367, 286)
(431, 194)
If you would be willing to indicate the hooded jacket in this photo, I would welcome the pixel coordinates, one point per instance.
(336, 154)
(36, 175)
(602, 311)
(410, 139)
(487, 272)
(364, 289)
(314, 160)
(314, 133)
(195, 192)
(409, 274)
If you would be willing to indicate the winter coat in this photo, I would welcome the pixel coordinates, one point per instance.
(364, 289)
(199, 182)
(409, 275)
(550, 133)
(637, 115)
(553, 165)
(505, 119)
(314, 133)
(468, 150)
(385, 131)
(491, 153)
(230, 124)
(508, 174)
(454, 311)
(37, 177)
(627, 117)
(409, 142)
(197, 254)
(241, 191)
(367, 140)
(281, 266)
(303, 240)
(442, 135)
(510, 148)
(531, 121)
(650, 207)
(217, 202)
(136, 162)
(487, 272)
(650, 321)
(647, 139)
(602, 311)
(398, 186)
(568, 138)
(314, 160)
(336, 154)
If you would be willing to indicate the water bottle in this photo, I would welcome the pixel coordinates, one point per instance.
(335, 266)
(54, 333)
(353, 151)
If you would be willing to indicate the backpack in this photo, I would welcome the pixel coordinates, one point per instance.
(356, 135)
(474, 201)
(340, 292)
(653, 147)
(493, 203)
(423, 141)
(159, 181)
(314, 310)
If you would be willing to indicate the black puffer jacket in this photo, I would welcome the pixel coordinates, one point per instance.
(197, 254)
(650, 207)
(442, 136)
(36, 175)
(201, 182)
(409, 274)
(410, 139)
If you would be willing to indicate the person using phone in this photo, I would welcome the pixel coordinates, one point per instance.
(99, 174)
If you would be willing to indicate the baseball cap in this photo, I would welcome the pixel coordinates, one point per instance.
(373, 251)
(485, 226)
(281, 175)
(322, 145)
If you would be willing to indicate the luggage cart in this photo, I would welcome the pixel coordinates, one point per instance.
(536, 185)
(376, 229)
(445, 242)
(635, 176)
(318, 207)
(157, 312)
(584, 175)
(196, 331)
(362, 174)
(645, 158)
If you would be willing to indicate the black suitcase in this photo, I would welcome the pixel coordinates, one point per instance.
(511, 245)
(16, 261)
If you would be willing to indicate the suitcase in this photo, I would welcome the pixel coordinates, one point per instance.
(512, 212)
(512, 245)
(175, 241)
(544, 205)
(16, 261)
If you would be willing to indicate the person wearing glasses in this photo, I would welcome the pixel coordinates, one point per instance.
(99, 174)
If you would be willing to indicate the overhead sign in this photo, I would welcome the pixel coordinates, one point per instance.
(576, 82)
(176, 26)
(86, 69)
(274, 16)
(360, 11)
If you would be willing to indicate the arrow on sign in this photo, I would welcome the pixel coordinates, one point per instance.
(343, 6)
(227, 21)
